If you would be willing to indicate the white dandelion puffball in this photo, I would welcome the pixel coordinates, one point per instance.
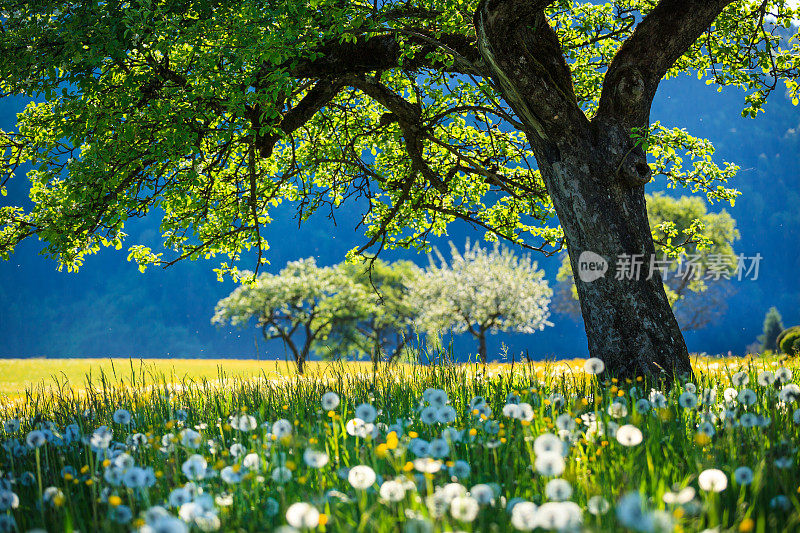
(523, 516)
(643, 405)
(330, 401)
(629, 435)
(282, 428)
(122, 417)
(618, 409)
(594, 366)
(688, 400)
(366, 412)
(631, 513)
(460, 469)
(783, 374)
(713, 480)
(483, 493)
(681, 497)
(766, 378)
(747, 397)
(244, 423)
(548, 443)
(428, 415)
(558, 490)
(446, 414)
(191, 438)
(315, 458)
(597, 505)
(464, 508)
(426, 465)
(560, 516)
(361, 477)
(195, 467)
(35, 439)
(743, 475)
(281, 474)
(740, 379)
(393, 491)
(549, 464)
(302, 515)
(789, 393)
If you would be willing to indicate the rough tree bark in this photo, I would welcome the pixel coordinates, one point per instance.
(593, 170)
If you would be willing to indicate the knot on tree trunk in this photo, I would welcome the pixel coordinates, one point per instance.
(630, 88)
(633, 170)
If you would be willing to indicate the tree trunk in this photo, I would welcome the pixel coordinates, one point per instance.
(595, 175)
(601, 207)
(482, 345)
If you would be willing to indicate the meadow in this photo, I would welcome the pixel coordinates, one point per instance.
(248, 447)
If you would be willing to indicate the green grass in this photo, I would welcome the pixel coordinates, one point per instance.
(239, 490)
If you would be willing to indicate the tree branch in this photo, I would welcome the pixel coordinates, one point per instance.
(315, 99)
(524, 55)
(645, 57)
(370, 54)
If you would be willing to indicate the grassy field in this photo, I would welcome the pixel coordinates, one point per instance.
(441, 448)
(17, 375)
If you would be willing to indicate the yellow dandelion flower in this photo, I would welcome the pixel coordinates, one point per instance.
(114, 500)
(747, 525)
(381, 450)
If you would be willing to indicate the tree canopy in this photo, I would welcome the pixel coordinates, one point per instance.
(481, 292)
(210, 112)
(334, 311)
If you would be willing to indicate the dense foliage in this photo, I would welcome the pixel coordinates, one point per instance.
(420, 449)
(214, 112)
(773, 326)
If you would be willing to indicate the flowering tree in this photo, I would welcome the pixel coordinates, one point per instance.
(482, 291)
(386, 319)
(303, 299)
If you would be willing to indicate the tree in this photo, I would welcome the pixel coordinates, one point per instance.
(383, 328)
(773, 326)
(302, 299)
(480, 292)
(694, 254)
(502, 113)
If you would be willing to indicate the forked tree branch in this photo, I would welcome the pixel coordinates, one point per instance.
(645, 57)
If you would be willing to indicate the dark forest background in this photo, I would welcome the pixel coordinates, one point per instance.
(109, 308)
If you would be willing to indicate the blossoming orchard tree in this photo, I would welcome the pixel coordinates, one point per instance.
(300, 306)
(502, 113)
(481, 291)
